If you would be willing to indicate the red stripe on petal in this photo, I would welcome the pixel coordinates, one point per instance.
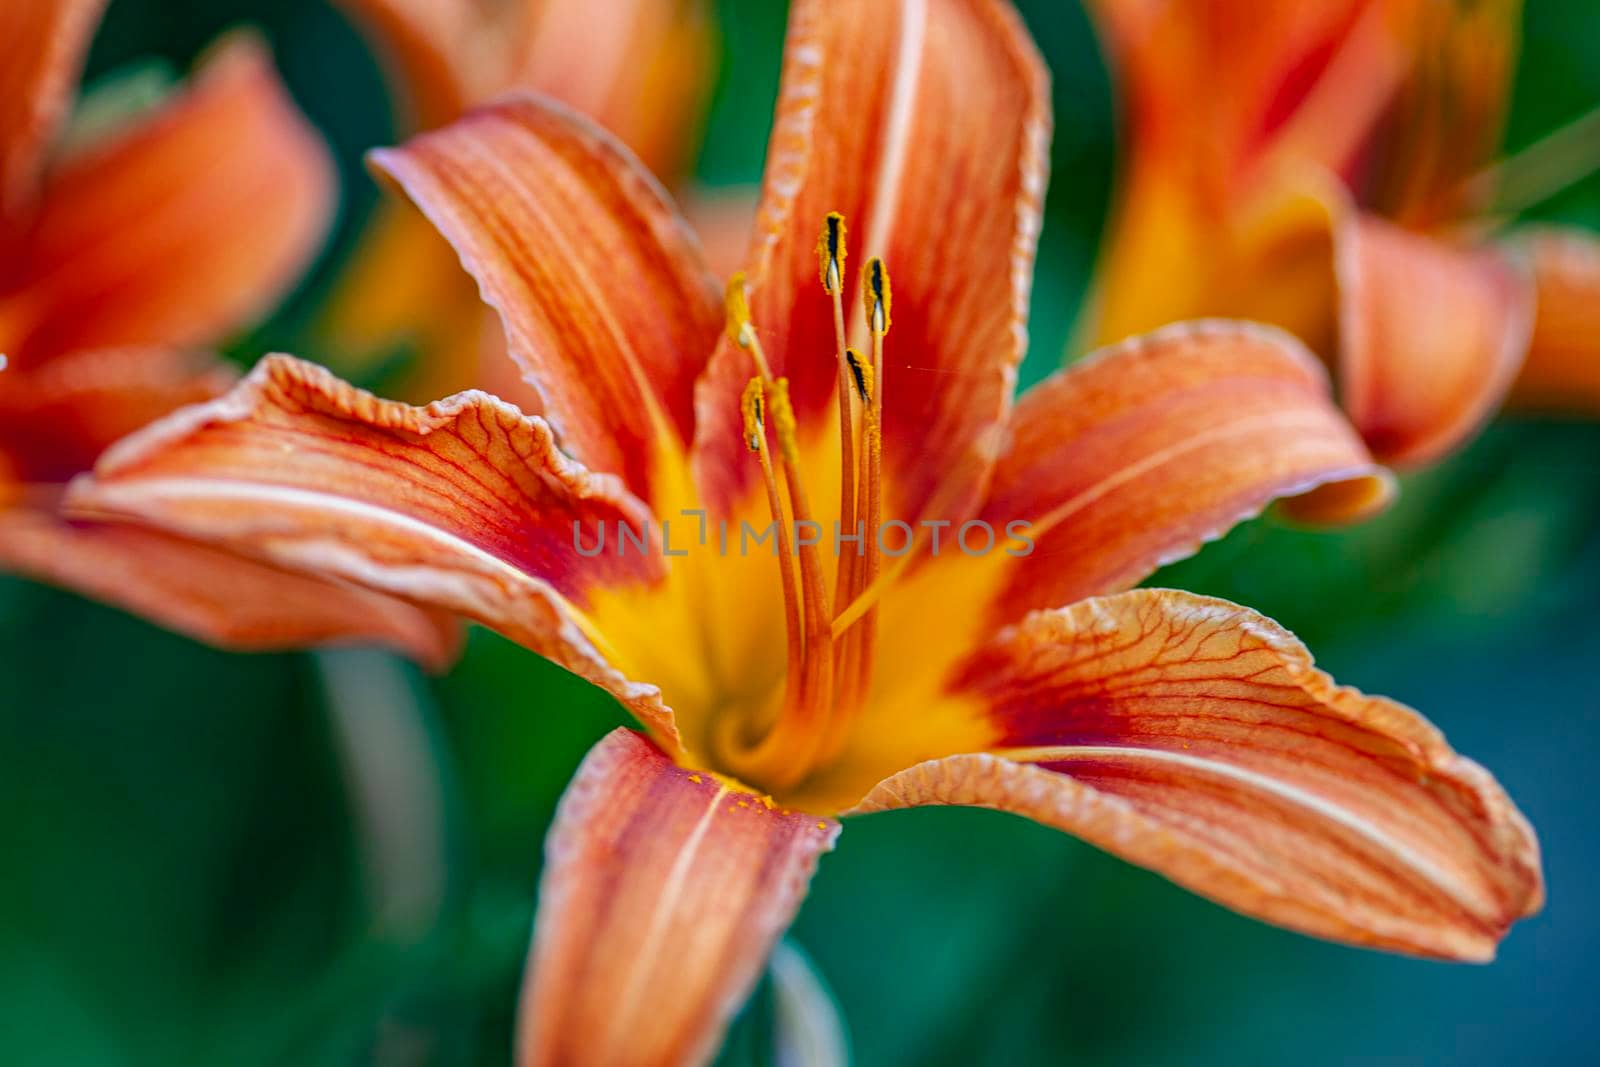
(663, 892)
(1195, 737)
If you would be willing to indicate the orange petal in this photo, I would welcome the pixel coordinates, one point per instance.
(1135, 456)
(722, 218)
(465, 505)
(1431, 336)
(663, 892)
(405, 287)
(1220, 205)
(643, 69)
(1302, 81)
(214, 596)
(426, 45)
(1562, 372)
(42, 46)
(605, 299)
(926, 123)
(180, 230)
(1195, 737)
(56, 420)
(1447, 120)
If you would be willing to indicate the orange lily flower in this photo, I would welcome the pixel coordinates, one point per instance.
(1325, 167)
(641, 68)
(780, 690)
(119, 256)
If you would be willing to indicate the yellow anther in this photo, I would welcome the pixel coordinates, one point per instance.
(875, 294)
(862, 372)
(736, 300)
(831, 252)
(783, 422)
(754, 418)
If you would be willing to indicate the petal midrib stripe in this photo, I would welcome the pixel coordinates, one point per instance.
(1470, 900)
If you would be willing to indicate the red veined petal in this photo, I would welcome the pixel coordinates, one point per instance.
(1195, 737)
(465, 505)
(605, 299)
(663, 892)
(1136, 455)
(926, 124)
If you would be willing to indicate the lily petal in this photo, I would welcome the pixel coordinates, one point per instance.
(45, 42)
(925, 123)
(181, 229)
(1212, 205)
(426, 45)
(465, 505)
(1301, 80)
(722, 218)
(1432, 334)
(405, 287)
(605, 299)
(663, 892)
(57, 419)
(214, 596)
(1448, 118)
(641, 68)
(1562, 371)
(1136, 455)
(1195, 737)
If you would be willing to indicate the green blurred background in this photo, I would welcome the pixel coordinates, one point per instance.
(329, 859)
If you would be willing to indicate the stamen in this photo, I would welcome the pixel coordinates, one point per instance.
(831, 256)
(755, 435)
(736, 301)
(755, 428)
(860, 372)
(825, 686)
(859, 641)
(875, 293)
(788, 751)
(814, 601)
(831, 252)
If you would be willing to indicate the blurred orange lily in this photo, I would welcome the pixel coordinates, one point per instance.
(1325, 167)
(119, 256)
(641, 68)
(780, 689)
